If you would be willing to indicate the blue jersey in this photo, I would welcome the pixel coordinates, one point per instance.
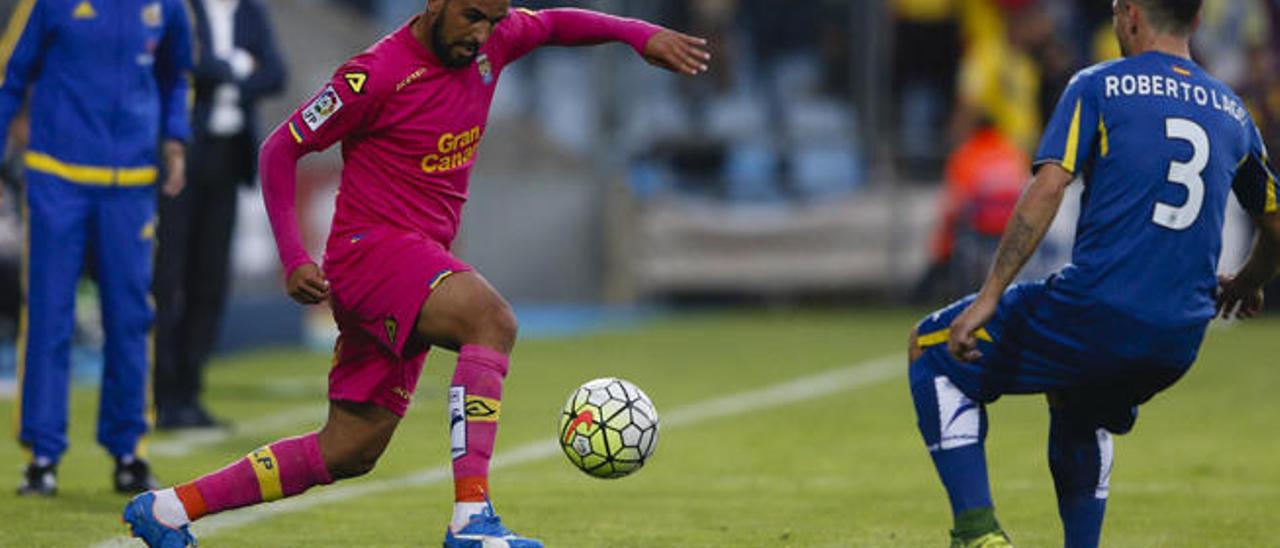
(1160, 145)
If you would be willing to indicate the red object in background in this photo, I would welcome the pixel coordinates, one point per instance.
(992, 207)
(1014, 5)
(984, 178)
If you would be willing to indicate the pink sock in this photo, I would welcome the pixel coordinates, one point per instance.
(283, 469)
(475, 403)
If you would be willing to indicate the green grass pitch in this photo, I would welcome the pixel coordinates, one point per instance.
(844, 468)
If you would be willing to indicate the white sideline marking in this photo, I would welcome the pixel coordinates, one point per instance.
(185, 443)
(805, 388)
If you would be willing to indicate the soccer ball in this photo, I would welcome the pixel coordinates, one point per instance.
(608, 428)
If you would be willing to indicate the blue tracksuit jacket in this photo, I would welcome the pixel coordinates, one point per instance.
(107, 81)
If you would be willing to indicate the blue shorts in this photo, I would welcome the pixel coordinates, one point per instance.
(1087, 356)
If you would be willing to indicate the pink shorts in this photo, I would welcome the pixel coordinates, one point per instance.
(379, 280)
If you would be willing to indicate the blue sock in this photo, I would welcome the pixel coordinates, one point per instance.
(954, 429)
(1080, 457)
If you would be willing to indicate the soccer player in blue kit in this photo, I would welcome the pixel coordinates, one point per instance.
(1160, 146)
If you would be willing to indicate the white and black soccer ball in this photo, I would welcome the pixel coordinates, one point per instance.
(608, 428)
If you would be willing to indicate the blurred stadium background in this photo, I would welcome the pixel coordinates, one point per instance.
(856, 154)
(851, 150)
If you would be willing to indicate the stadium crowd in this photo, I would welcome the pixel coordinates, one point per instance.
(778, 120)
(973, 82)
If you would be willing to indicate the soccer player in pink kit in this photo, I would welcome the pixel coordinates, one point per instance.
(410, 113)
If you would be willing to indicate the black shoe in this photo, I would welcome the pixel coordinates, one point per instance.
(39, 480)
(200, 418)
(167, 417)
(133, 476)
(193, 416)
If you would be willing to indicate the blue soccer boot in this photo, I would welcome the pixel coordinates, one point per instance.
(142, 521)
(485, 530)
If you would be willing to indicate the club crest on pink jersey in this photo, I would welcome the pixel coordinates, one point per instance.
(486, 69)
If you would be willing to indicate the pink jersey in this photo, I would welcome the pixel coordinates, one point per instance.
(410, 127)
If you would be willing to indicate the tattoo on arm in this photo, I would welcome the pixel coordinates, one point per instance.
(1019, 243)
(1030, 221)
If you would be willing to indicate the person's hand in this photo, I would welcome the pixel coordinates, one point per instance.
(1234, 292)
(8, 175)
(175, 164)
(963, 343)
(307, 284)
(677, 52)
(243, 64)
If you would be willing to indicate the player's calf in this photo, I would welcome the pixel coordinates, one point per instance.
(475, 406)
(1080, 457)
(282, 469)
(352, 464)
(466, 313)
(954, 429)
(349, 445)
(354, 438)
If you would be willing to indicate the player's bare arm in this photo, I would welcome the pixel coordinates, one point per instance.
(1031, 219)
(678, 52)
(1240, 296)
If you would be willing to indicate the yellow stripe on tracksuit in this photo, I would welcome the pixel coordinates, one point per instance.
(17, 24)
(90, 175)
(942, 336)
(267, 468)
(1270, 205)
(1073, 141)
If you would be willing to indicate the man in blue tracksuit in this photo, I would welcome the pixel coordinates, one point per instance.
(108, 88)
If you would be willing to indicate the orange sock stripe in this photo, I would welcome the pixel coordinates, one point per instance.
(470, 489)
(192, 500)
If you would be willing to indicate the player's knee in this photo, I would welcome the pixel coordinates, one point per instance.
(355, 463)
(353, 469)
(505, 326)
(495, 327)
(364, 463)
(913, 346)
(354, 438)
(1120, 421)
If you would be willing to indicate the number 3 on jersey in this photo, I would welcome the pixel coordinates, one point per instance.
(1187, 174)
